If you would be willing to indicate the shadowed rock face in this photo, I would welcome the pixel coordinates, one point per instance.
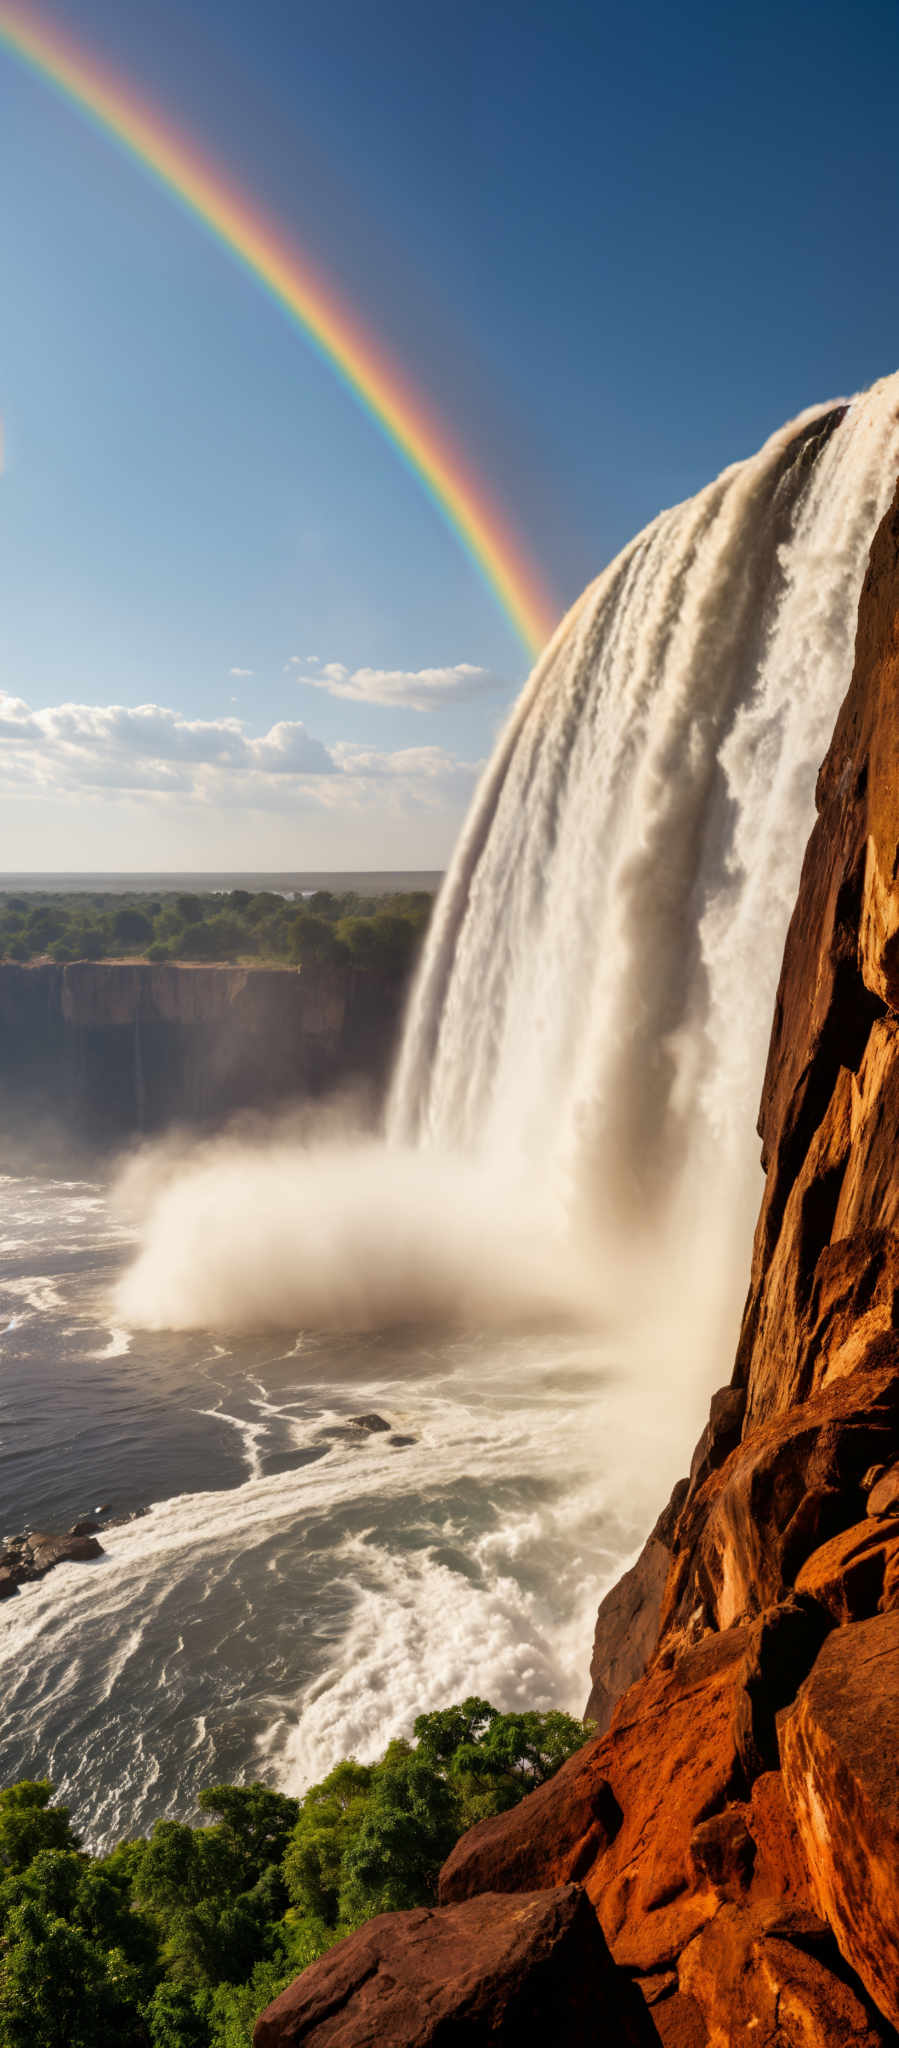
(735, 1825)
(104, 1049)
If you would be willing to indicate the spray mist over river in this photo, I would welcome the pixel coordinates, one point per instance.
(541, 1264)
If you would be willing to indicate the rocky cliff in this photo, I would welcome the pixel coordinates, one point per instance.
(734, 1826)
(104, 1049)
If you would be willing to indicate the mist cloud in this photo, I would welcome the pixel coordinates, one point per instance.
(336, 1234)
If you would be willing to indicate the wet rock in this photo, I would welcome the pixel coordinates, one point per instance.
(372, 1423)
(519, 1971)
(9, 1583)
(627, 1624)
(399, 1442)
(86, 1527)
(48, 1551)
(551, 1837)
(840, 1757)
(31, 1556)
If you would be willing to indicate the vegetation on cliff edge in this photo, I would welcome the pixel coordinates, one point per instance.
(381, 934)
(178, 1940)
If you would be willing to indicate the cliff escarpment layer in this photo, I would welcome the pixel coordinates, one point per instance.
(719, 1867)
(106, 1049)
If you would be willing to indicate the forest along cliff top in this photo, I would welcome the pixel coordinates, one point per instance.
(734, 1828)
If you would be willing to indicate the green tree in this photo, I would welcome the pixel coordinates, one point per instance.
(58, 1991)
(132, 926)
(263, 905)
(330, 1816)
(29, 1823)
(44, 923)
(314, 938)
(190, 909)
(173, 2020)
(409, 1826)
(255, 1822)
(234, 2008)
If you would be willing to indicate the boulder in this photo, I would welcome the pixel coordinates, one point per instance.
(623, 1812)
(840, 1758)
(47, 1551)
(791, 1484)
(720, 1436)
(722, 1853)
(671, 1759)
(847, 1575)
(780, 1874)
(551, 1837)
(753, 1988)
(518, 1971)
(883, 1499)
(679, 2023)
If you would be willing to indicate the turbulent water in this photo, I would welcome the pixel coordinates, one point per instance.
(571, 1132)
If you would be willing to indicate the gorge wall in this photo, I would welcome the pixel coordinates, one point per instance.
(102, 1050)
(720, 1864)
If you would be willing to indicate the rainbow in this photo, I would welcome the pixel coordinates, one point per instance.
(309, 300)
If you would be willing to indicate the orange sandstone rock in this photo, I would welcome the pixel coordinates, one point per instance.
(840, 1750)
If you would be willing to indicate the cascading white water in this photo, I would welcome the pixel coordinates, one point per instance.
(598, 985)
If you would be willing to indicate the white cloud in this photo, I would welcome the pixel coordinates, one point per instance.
(422, 689)
(240, 671)
(154, 755)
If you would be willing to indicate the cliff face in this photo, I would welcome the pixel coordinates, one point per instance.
(735, 1824)
(106, 1049)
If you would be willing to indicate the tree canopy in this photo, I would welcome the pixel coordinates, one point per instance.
(179, 1939)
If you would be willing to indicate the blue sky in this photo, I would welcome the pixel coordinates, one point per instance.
(615, 249)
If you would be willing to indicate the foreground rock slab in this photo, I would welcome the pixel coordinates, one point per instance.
(839, 1747)
(529, 1970)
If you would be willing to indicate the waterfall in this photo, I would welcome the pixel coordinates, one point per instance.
(597, 989)
(571, 1121)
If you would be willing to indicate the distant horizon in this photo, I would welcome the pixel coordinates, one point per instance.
(375, 881)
